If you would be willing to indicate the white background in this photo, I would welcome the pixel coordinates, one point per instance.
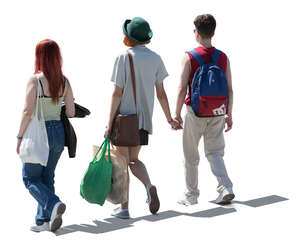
(262, 41)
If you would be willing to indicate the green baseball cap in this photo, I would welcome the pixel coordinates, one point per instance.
(137, 30)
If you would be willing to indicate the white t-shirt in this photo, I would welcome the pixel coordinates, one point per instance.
(149, 70)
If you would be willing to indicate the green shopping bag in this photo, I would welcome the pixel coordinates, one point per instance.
(96, 183)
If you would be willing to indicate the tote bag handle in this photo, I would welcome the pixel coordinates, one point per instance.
(39, 93)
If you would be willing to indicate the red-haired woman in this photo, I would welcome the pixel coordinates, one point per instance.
(39, 180)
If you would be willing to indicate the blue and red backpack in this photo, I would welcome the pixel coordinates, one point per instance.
(209, 90)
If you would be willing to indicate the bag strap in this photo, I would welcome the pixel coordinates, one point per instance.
(38, 95)
(39, 80)
(132, 75)
(200, 60)
(197, 57)
(216, 55)
(106, 146)
(95, 157)
(133, 83)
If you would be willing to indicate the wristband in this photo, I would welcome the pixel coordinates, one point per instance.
(19, 137)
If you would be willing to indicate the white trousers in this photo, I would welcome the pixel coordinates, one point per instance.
(211, 128)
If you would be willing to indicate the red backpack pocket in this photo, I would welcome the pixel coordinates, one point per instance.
(212, 105)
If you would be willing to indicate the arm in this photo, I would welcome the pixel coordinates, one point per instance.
(164, 103)
(69, 101)
(115, 102)
(228, 118)
(30, 99)
(183, 85)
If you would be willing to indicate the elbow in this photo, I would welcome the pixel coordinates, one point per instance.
(70, 111)
(27, 113)
(117, 96)
(70, 114)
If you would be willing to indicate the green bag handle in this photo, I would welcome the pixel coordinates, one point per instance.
(95, 157)
(105, 143)
(108, 142)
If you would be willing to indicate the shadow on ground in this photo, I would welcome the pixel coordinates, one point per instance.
(113, 224)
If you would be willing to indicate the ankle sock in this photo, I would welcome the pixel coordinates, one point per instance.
(148, 186)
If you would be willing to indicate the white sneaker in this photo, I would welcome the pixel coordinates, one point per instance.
(225, 196)
(121, 213)
(56, 220)
(188, 200)
(41, 228)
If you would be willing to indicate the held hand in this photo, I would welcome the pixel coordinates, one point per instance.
(175, 125)
(228, 121)
(179, 120)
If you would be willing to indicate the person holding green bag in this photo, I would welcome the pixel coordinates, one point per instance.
(149, 71)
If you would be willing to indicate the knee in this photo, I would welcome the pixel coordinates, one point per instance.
(132, 164)
(133, 160)
(31, 173)
(136, 162)
(214, 156)
(29, 181)
(214, 152)
(192, 161)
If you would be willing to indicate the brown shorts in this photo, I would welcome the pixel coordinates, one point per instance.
(144, 137)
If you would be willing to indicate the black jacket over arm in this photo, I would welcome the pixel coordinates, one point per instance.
(70, 135)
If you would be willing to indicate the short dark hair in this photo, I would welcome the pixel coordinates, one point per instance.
(205, 25)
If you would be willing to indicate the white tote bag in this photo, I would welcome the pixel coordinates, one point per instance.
(34, 147)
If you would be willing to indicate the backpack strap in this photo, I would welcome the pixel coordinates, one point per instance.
(197, 57)
(216, 55)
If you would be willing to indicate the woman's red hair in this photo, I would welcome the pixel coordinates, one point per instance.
(49, 61)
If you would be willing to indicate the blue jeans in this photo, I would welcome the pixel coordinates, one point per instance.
(39, 180)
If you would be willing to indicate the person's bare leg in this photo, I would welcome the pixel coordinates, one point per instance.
(139, 170)
(125, 152)
(137, 167)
